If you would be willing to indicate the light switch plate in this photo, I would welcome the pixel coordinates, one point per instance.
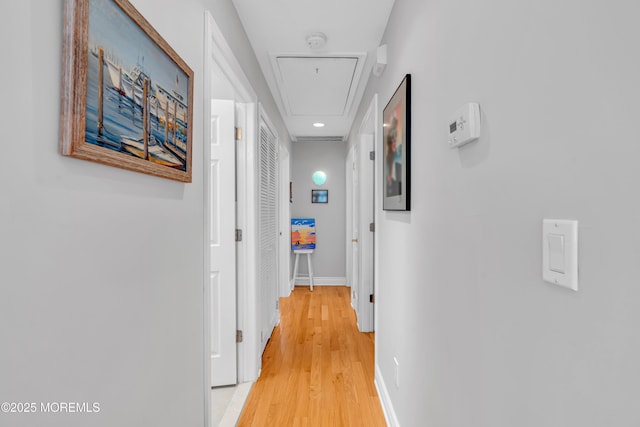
(556, 253)
(560, 252)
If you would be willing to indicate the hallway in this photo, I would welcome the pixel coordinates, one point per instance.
(317, 368)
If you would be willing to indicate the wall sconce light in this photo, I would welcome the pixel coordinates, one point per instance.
(319, 177)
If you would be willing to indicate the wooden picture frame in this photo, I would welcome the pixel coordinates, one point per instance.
(396, 162)
(127, 97)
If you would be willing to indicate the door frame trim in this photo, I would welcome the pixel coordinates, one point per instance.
(284, 252)
(349, 166)
(219, 55)
(263, 304)
(370, 124)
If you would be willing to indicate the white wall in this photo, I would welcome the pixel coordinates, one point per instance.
(101, 269)
(481, 340)
(329, 256)
(229, 23)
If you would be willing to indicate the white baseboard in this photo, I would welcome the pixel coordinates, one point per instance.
(385, 400)
(322, 281)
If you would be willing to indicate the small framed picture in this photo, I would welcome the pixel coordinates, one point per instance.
(319, 196)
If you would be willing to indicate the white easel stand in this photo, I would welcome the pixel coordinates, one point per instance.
(308, 253)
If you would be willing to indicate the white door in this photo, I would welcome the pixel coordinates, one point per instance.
(365, 212)
(222, 274)
(362, 238)
(355, 232)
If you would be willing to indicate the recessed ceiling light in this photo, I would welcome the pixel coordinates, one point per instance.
(319, 125)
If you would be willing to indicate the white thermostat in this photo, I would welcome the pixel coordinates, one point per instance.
(464, 126)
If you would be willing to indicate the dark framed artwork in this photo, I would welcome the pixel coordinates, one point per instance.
(127, 97)
(319, 196)
(396, 186)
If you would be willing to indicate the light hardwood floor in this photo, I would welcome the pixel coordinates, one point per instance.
(317, 368)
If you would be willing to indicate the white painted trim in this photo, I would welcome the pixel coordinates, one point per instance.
(218, 52)
(369, 115)
(253, 355)
(366, 216)
(268, 307)
(368, 138)
(322, 281)
(284, 252)
(216, 42)
(385, 400)
(265, 117)
(248, 353)
(206, 299)
(377, 176)
(349, 218)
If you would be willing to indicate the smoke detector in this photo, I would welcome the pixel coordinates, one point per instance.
(316, 41)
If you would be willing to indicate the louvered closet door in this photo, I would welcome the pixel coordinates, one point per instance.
(268, 223)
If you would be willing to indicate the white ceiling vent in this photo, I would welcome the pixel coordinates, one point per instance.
(317, 85)
(318, 139)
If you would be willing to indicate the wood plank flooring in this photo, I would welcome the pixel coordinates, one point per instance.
(317, 368)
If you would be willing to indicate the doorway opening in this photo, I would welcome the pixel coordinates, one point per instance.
(242, 221)
(231, 334)
(361, 209)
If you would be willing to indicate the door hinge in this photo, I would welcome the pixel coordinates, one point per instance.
(372, 155)
(238, 134)
(372, 298)
(372, 227)
(238, 235)
(238, 336)
(277, 305)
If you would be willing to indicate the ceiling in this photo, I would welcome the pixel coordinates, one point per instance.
(315, 85)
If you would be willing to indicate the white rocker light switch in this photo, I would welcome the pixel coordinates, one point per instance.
(560, 252)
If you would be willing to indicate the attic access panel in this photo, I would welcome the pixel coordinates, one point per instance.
(317, 86)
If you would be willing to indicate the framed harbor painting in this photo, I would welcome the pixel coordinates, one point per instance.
(396, 186)
(127, 97)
